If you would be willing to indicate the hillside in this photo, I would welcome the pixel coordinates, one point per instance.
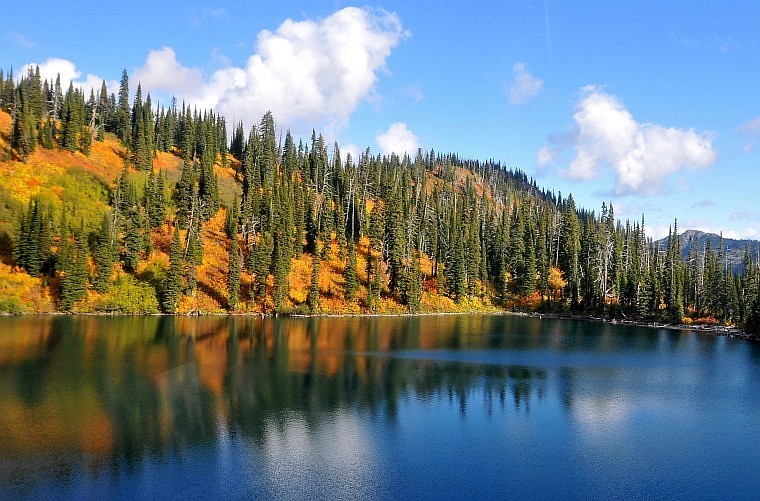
(144, 209)
(83, 186)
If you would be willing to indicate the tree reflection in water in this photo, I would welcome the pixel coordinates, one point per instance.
(120, 390)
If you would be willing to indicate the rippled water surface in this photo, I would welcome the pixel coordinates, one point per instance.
(470, 407)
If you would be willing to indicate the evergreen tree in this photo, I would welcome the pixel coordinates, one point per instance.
(139, 147)
(154, 199)
(103, 255)
(569, 251)
(231, 220)
(185, 194)
(73, 269)
(412, 286)
(208, 188)
(376, 287)
(260, 265)
(23, 129)
(351, 275)
(233, 277)
(173, 285)
(32, 248)
(193, 257)
(123, 122)
(313, 297)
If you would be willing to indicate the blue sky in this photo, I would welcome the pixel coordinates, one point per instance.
(654, 106)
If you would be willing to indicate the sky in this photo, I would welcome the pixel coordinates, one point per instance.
(653, 107)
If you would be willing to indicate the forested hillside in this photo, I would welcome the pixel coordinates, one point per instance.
(118, 206)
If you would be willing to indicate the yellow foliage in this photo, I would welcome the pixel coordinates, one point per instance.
(52, 173)
(32, 296)
(556, 280)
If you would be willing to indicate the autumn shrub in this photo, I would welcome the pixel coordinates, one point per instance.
(11, 304)
(129, 296)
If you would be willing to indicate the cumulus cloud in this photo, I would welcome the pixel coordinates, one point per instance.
(523, 86)
(397, 139)
(305, 72)
(162, 71)
(605, 136)
(52, 67)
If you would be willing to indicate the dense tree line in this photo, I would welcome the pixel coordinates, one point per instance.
(483, 232)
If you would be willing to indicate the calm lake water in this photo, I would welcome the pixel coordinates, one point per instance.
(471, 407)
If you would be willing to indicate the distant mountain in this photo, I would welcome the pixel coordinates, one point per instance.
(734, 248)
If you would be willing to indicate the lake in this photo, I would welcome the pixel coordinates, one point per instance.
(453, 406)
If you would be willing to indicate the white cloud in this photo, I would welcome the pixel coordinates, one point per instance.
(162, 71)
(54, 66)
(351, 149)
(398, 139)
(305, 72)
(545, 155)
(524, 86)
(642, 155)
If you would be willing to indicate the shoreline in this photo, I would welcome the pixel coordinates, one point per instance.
(711, 330)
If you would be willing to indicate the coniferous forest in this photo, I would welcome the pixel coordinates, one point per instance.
(147, 208)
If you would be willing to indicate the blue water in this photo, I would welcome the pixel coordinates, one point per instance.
(473, 407)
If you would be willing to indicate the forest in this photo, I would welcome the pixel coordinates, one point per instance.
(184, 218)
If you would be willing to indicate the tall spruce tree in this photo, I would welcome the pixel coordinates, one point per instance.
(123, 121)
(351, 275)
(73, 269)
(103, 255)
(173, 285)
(233, 275)
(312, 300)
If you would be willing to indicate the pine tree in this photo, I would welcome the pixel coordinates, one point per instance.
(123, 122)
(527, 272)
(282, 245)
(33, 244)
(73, 269)
(377, 284)
(233, 277)
(412, 286)
(260, 265)
(23, 129)
(313, 297)
(138, 140)
(184, 194)
(208, 188)
(231, 219)
(154, 200)
(103, 255)
(131, 220)
(569, 251)
(193, 257)
(173, 285)
(351, 275)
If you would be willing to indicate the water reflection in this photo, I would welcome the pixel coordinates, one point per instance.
(92, 394)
